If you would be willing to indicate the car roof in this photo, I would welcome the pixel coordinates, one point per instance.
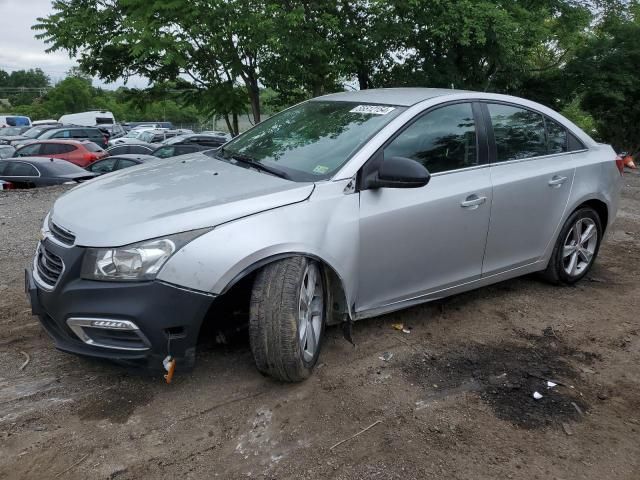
(59, 140)
(389, 96)
(36, 160)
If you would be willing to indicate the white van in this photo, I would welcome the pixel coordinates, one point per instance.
(89, 119)
(14, 121)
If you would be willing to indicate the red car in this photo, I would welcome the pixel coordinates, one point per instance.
(80, 152)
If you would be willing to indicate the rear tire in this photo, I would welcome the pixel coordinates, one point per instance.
(287, 317)
(576, 248)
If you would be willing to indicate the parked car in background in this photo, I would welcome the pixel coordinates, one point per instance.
(74, 132)
(50, 121)
(218, 133)
(11, 132)
(113, 131)
(26, 136)
(153, 124)
(80, 152)
(133, 148)
(202, 139)
(167, 151)
(7, 151)
(366, 202)
(118, 162)
(14, 121)
(156, 136)
(91, 118)
(41, 172)
(131, 137)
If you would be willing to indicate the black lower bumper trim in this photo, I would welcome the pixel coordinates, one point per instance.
(159, 310)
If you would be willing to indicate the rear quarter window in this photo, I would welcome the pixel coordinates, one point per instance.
(92, 147)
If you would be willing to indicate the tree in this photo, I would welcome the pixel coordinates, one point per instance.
(213, 44)
(605, 74)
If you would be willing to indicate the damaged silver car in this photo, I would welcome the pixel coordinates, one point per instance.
(340, 208)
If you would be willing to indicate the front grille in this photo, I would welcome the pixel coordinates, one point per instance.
(61, 235)
(49, 266)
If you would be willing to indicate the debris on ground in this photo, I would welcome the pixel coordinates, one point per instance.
(355, 435)
(386, 356)
(537, 395)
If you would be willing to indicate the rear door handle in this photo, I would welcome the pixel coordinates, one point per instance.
(472, 202)
(557, 181)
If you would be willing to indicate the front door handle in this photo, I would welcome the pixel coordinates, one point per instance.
(557, 181)
(472, 202)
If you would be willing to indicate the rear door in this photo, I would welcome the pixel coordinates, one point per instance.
(532, 174)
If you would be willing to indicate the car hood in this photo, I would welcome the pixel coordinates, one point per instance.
(167, 197)
(12, 138)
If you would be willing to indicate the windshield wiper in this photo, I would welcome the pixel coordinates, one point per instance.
(247, 160)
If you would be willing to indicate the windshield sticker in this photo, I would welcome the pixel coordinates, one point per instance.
(321, 169)
(372, 109)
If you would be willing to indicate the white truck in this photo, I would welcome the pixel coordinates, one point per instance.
(93, 118)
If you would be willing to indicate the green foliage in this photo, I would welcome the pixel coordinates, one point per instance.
(230, 57)
(604, 72)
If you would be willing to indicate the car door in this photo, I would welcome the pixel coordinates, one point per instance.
(21, 173)
(418, 241)
(532, 175)
(31, 150)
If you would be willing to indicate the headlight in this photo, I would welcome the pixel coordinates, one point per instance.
(136, 262)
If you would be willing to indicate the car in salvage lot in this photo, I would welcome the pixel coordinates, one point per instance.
(344, 207)
(33, 172)
(113, 163)
(79, 152)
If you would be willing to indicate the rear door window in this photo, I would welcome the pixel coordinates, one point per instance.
(519, 133)
(104, 166)
(56, 148)
(125, 163)
(92, 147)
(21, 169)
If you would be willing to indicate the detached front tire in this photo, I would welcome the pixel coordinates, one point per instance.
(576, 248)
(287, 317)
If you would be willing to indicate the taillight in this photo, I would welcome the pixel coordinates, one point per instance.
(90, 157)
(620, 164)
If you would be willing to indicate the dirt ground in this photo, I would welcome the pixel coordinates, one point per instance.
(452, 400)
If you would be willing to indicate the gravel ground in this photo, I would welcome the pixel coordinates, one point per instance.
(453, 399)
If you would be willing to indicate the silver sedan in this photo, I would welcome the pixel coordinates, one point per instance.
(340, 208)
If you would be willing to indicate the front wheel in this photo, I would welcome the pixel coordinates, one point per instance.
(576, 248)
(287, 318)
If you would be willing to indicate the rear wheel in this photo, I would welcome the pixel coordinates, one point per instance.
(576, 248)
(286, 320)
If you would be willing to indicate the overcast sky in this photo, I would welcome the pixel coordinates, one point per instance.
(19, 50)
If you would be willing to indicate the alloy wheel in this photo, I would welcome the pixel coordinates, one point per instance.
(579, 246)
(310, 311)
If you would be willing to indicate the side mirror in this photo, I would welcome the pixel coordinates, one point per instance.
(400, 172)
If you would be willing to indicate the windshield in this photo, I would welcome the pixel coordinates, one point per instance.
(11, 131)
(34, 132)
(146, 137)
(311, 141)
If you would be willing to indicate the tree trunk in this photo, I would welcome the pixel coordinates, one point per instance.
(254, 97)
(364, 81)
(236, 128)
(229, 125)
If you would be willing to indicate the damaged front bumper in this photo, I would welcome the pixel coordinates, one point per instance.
(135, 323)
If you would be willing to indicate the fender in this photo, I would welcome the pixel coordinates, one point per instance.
(324, 227)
